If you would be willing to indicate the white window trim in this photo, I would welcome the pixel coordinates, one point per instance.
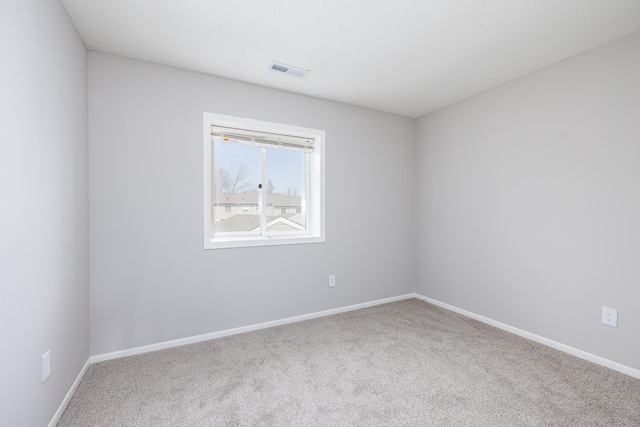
(315, 195)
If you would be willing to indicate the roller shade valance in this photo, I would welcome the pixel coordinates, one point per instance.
(263, 139)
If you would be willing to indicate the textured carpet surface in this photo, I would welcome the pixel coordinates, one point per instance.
(407, 363)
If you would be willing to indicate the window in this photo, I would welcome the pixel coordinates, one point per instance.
(272, 173)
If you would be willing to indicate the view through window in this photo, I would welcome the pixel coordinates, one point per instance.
(263, 183)
(237, 188)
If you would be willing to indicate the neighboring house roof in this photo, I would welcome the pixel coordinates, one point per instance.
(238, 222)
(251, 197)
(298, 218)
(281, 223)
(245, 222)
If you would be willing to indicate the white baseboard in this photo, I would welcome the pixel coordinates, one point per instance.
(241, 330)
(537, 338)
(67, 398)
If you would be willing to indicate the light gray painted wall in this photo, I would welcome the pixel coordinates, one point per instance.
(529, 202)
(44, 231)
(151, 280)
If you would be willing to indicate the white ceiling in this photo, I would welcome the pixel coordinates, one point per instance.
(407, 57)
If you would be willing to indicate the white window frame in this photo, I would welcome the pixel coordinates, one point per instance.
(315, 222)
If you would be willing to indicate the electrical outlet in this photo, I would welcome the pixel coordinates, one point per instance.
(610, 316)
(332, 280)
(46, 365)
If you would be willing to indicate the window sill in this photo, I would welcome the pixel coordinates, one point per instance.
(246, 242)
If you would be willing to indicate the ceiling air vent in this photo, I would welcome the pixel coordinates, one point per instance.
(287, 69)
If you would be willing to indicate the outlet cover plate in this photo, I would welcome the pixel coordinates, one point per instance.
(610, 316)
(332, 280)
(46, 365)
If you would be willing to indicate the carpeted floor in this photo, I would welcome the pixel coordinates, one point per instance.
(407, 363)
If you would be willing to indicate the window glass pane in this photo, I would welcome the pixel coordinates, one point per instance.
(286, 188)
(234, 190)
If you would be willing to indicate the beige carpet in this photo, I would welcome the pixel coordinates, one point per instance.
(407, 363)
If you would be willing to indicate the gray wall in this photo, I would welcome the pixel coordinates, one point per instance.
(44, 261)
(151, 280)
(526, 195)
(529, 202)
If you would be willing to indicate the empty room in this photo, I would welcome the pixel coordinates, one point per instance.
(321, 213)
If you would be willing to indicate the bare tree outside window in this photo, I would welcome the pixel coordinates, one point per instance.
(232, 179)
